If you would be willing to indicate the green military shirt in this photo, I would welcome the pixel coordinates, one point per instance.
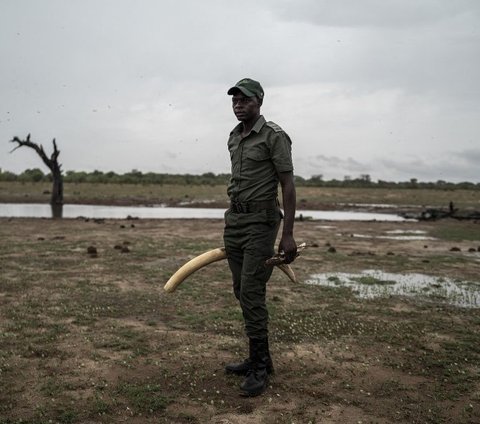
(256, 161)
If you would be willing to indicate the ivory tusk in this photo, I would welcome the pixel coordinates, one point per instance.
(287, 269)
(194, 265)
(205, 259)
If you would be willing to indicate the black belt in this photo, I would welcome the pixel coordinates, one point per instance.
(249, 207)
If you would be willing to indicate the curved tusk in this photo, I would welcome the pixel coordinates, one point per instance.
(206, 259)
(289, 271)
(194, 265)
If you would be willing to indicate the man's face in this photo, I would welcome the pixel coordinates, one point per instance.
(245, 108)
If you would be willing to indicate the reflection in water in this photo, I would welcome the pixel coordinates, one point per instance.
(395, 235)
(401, 237)
(37, 210)
(371, 284)
(406, 232)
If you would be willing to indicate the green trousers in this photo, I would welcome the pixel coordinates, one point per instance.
(249, 240)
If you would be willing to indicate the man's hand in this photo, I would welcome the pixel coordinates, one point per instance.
(288, 246)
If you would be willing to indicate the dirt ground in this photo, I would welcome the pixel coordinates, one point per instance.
(87, 334)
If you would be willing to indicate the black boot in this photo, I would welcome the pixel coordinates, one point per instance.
(241, 368)
(256, 380)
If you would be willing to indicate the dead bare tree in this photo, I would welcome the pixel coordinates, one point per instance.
(51, 162)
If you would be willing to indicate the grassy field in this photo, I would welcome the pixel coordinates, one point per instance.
(92, 338)
(308, 197)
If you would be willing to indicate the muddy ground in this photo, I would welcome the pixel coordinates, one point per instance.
(87, 334)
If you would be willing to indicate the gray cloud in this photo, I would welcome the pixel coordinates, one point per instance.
(470, 157)
(374, 13)
(451, 168)
(355, 84)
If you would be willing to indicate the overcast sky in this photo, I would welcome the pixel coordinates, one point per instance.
(389, 88)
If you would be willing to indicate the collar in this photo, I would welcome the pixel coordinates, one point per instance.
(257, 127)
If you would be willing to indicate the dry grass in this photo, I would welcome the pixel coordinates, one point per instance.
(308, 197)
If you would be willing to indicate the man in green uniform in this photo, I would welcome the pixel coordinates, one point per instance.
(260, 153)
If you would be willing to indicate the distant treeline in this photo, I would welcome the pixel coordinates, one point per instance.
(209, 178)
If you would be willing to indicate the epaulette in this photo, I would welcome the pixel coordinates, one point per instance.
(274, 126)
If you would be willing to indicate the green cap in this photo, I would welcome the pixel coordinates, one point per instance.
(248, 87)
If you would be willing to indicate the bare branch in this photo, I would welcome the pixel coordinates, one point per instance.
(56, 152)
(37, 147)
(52, 163)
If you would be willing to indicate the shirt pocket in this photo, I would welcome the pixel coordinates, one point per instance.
(257, 154)
(256, 159)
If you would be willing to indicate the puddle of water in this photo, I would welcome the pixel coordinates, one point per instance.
(195, 202)
(350, 216)
(112, 212)
(406, 232)
(375, 205)
(371, 284)
(32, 210)
(400, 237)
